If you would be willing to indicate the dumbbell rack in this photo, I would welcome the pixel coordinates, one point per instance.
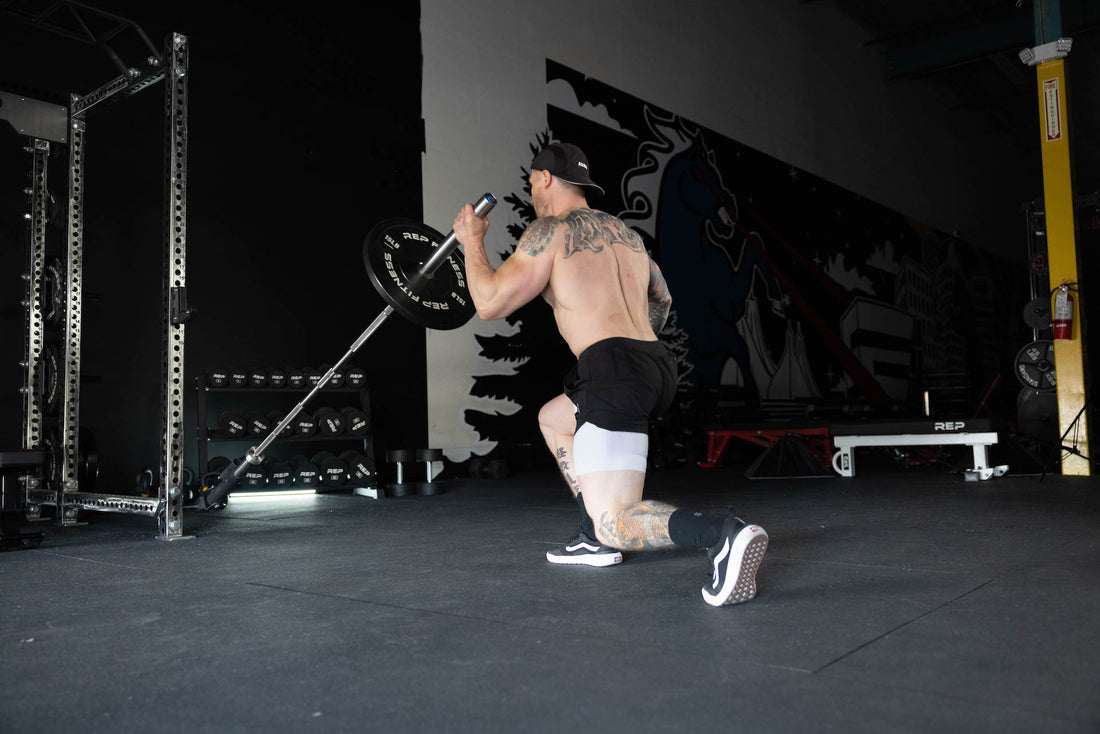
(206, 394)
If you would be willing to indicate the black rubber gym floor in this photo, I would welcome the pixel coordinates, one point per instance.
(894, 601)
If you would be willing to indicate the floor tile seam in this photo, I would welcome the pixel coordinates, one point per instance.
(525, 627)
(69, 557)
(846, 564)
(877, 683)
(906, 623)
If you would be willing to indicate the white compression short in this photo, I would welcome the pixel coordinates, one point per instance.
(596, 449)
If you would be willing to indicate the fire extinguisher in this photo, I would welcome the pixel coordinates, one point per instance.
(1063, 312)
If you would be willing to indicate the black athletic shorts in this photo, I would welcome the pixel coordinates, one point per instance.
(619, 383)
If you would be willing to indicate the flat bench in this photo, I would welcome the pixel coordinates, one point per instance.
(978, 433)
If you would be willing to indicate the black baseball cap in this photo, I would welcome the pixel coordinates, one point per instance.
(567, 162)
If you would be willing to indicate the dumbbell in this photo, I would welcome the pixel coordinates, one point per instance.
(274, 417)
(360, 468)
(337, 379)
(330, 422)
(255, 476)
(217, 377)
(304, 424)
(257, 378)
(295, 377)
(238, 377)
(258, 424)
(427, 457)
(402, 456)
(333, 469)
(356, 420)
(279, 474)
(304, 473)
(276, 377)
(354, 376)
(232, 423)
(313, 376)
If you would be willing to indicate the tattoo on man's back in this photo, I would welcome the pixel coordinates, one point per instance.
(592, 230)
(584, 230)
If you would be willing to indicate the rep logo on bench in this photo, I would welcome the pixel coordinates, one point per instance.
(950, 425)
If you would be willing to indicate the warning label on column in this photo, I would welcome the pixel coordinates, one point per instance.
(1053, 110)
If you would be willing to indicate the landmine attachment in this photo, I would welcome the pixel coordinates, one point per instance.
(421, 275)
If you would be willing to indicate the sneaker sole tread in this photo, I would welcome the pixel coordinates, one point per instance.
(744, 588)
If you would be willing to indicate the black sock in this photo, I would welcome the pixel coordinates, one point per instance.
(700, 529)
(587, 525)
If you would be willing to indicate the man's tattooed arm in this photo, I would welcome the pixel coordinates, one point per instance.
(660, 300)
(538, 235)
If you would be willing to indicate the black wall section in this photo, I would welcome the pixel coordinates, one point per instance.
(302, 135)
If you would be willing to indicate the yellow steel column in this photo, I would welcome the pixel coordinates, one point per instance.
(1062, 259)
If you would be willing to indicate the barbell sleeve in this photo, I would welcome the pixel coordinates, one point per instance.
(482, 208)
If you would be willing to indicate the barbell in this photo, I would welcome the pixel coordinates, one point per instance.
(420, 274)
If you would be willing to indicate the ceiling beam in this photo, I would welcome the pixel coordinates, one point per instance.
(1008, 33)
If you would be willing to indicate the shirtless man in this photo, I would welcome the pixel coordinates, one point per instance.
(609, 300)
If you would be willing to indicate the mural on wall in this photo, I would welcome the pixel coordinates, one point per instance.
(788, 291)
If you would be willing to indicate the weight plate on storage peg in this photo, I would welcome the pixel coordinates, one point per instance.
(53, 292)
(1035, 366)
(394, 253)
(1037, 313)
(1037, 414)
(51, 378)
(87, 461)
(53, 466)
